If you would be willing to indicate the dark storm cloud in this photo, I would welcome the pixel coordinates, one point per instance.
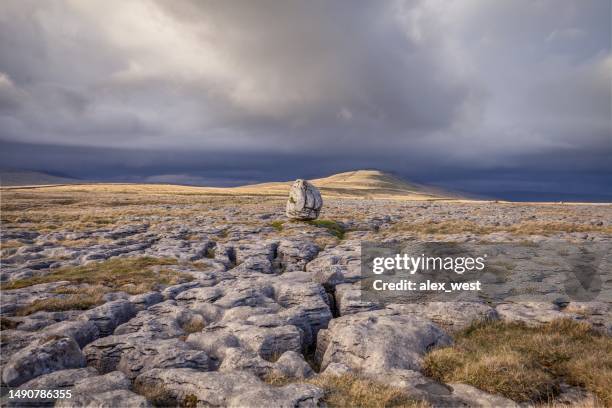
(188, 90)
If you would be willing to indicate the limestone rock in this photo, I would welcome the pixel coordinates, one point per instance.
(377, 341)
(451, 315)
(115, 380)
(82, 331)
(171, 353)
(531, 313)
(42, 357)
(231, 389)
(60, 379)
(161, 321)
(133, 353)
(293, 365)
(108, 399)
(304, 201)
(110, 315)
(336, 369)
(474, 397)
(239, 359)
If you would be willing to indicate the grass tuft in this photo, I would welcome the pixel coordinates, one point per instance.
(348, 391)
(526, 363)
(60, 304)
(132, 275)
(277, 225)
(334, 227)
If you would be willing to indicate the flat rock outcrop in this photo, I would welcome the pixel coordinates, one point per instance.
(378, 341)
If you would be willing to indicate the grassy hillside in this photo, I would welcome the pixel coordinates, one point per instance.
(370, 184)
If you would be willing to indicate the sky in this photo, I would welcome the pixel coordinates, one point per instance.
(508, 99)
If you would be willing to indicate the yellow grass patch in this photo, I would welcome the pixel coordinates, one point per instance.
(133, 275)
(527, 363)
(347, 391)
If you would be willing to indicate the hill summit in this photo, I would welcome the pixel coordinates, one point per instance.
(360, 184)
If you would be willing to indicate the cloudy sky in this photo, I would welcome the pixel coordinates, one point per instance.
(504, 97)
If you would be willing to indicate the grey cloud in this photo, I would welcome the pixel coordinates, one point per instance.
(472, 84)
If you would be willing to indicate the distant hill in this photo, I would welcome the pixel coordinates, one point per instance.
(368, 184)
(360, 184)
(10, 177)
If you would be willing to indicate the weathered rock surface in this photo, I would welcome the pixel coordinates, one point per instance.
(262, 291)
(115, 380)
(473, 397)
(133, 353)
(60, 379)
(451, 315)
(375, 342)
(110, 315)
(231, 389)
(293, 365)
(532, 313)
(304, 201)
(108, 399)
(42, 357)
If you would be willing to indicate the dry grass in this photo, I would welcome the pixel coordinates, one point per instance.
(523, 228)
(526, 363)
(277, 225)
(132, 275)
(59, 304)
(194, 326)
(71, 298)
(333, 227)
(7, 324)
(347, 391)
(11, 244)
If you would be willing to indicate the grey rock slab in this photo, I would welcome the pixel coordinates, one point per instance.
(60, 379)
(145, 300)
(115, 380)
(452, 315)
(172, 353)
(597, 314)
(337, 369)
(293, 255)
(377, 341)
(104, 354)
(42, 357)
(214, 343)
(532, 313)
(108, 399)
(171, 291)
(110, 315)
(348, 300)
(161, 321)
(82, 331)
(205, 294)
(329, 277)
(239, 359)
(312, 297)
(267, 342)
(231, 389)
(292, 365)
(473, 397)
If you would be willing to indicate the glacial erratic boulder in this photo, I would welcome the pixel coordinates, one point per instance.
(304, 201)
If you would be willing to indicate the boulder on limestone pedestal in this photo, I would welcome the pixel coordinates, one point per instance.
(304, 201)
